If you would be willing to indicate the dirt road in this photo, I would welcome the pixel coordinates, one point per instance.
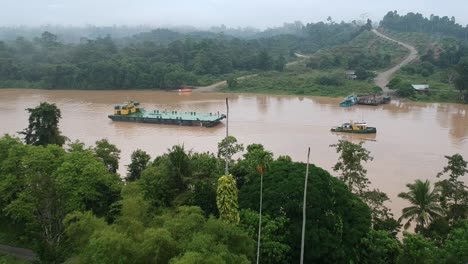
(216, 86)
(210, 88)
(383, 78)
(301, 57)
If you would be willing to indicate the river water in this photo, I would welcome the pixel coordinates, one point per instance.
(411, 142)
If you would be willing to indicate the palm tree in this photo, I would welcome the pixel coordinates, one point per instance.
(424, 202)
(260, 159)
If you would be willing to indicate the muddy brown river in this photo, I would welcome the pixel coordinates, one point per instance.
(411, 142)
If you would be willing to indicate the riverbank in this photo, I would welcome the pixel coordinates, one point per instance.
(329, 83)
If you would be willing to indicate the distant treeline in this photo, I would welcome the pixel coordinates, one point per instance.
(415, 22)
(158, 59)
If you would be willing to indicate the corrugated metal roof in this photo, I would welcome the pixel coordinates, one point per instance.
(420, 87)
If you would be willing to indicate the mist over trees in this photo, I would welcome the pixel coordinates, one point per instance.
(415, 22)
(159, 59)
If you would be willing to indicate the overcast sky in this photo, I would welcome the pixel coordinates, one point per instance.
(204, 13)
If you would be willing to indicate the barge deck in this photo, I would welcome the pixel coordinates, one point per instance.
(139, 115)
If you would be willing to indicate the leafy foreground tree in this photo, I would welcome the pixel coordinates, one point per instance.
(354, 175)
(260, 159)
(379, 247)
(43, 126)
(179, 235)
(417, 249)
(109, 154)
(184, 179)
(353, 172)
(226, 199)
(337, 219)
(228, 147)
(455, 249)
(454, 193)
(51, 184)
(424, 202)
(140, 160)
(274, 241)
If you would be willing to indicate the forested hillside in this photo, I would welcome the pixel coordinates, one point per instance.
(443, 50)
(160, 59)
(415, 22)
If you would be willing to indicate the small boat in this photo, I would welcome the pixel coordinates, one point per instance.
(349, 101)
(355, 128)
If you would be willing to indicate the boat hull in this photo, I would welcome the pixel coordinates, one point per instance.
(369, 130)
(166, 121)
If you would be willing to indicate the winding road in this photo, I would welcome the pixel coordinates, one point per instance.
(215, 86)
(383, 78)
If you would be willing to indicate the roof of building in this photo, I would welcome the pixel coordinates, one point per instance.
(420, 87)
(350, 72)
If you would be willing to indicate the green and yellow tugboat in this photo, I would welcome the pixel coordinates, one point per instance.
(355, 128)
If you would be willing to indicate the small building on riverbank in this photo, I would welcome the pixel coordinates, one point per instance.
(421, 88)
(351, 75)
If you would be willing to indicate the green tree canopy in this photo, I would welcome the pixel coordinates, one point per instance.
(424, 204)
(332, 231)
(109, 154)
(139, 161)
(43, 125)
(226, 199)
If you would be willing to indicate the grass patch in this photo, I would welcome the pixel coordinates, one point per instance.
(367, 50)
(421, 41)
(305, 82)
(440, 90)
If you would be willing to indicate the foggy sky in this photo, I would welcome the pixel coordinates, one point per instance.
(205, 13)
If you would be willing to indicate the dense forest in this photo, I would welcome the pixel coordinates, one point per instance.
(67, 202)
(142, 58)
(159, 59)
(415, 22)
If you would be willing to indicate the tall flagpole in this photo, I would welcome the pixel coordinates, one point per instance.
(226, 169)
(304, 207)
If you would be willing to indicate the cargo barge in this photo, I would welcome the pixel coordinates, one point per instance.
(373, 99)
(131, 112)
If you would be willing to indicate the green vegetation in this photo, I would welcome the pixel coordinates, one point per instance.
(366, 51)
(68, 204)
(425, 206)
(305, 82)
(5, 259)
(415, 22)
(439, 91)
(43, 126)
(442, 45)
(159, 59)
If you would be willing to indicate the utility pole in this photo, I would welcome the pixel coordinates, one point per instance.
(304, 207)
(226, 169)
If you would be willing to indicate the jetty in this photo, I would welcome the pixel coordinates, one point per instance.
(373, 99)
